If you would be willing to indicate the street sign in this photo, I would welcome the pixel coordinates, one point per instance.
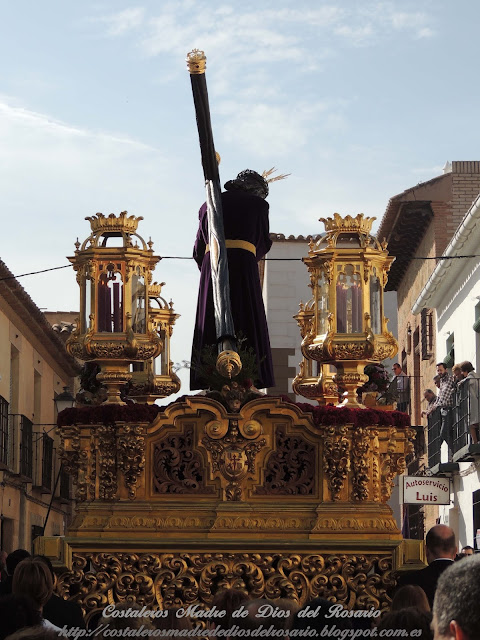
(422, 490)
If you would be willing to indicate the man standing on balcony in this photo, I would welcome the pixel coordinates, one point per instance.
(431, 398)
(472, 382)
(403, 387)
(444, 402)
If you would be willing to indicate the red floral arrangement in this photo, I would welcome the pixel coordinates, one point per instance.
(109, 414)
(328, 415)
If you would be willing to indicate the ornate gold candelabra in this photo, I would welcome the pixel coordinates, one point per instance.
(114, 271)
(343, 324)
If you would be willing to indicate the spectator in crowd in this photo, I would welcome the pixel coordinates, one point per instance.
(11, 563)
(34, 633)
(17, 612)
(471, 384)
(468, 550)
(430, 397)
(58, 611)
(457, 373)
(456, 611)
(320, 621)
(33, 580)
(253, 622)
(411, 595)
(436, 381)
(406, 620)
(401, 381)
(117, 622)
(229, 600)
(182, 623)
(441, 552)
(444, 401)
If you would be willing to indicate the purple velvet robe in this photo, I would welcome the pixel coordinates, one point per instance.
(245, 217)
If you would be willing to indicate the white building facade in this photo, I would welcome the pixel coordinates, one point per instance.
(453, 290)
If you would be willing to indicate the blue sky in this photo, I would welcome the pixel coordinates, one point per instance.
(357, 100)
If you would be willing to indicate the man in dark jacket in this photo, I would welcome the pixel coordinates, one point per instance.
(58, 611)
(441, 552)
(11, 562)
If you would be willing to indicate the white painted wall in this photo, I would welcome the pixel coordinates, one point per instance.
(285, 285)
(456, 314)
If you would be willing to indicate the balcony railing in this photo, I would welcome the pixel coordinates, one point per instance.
(460, 420)
(465, 418)
(47, 461)
(26, 447)
(434, 438)
(4, 432)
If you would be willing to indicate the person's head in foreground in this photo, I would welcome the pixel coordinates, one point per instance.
(17, 612)
(33, 579)
(406, 620)
(34, 633)
(440, 543)
(116, 619)
(411, 595)
(327, 614)
(456, 608)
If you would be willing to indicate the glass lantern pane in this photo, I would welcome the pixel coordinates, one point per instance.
(322, 305)
(138, 303)
(110, 302)
(349, 301)
(87, 292)
(375, 310)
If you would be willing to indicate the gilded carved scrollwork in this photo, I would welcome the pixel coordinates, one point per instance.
(393, 463)
(360, 463)
(336, 459)
(74, 459)
(107, 476)
(131, 453)
(177, 467)
(290, 468)
(178, 579)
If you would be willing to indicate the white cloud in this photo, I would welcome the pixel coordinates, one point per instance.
(277, 130)
(425, 32)
(123, 22)
(359, 35)
(11, 114)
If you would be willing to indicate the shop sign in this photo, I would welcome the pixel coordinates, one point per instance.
(421, 490)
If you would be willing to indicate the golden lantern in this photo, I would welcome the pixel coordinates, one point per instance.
(344, 324)
(155, 378)
(114, 270)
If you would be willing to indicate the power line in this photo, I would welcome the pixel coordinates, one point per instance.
(34, 273)
(65, 266)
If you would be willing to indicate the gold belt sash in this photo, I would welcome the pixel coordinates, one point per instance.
(238, 244)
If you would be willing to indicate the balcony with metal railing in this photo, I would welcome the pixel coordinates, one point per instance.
(4, 433)
(26, 447)
(465, 419)
(434, 439)
(47, 461)
(458, 427)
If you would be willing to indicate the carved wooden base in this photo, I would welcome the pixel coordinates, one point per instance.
(266, 499)
(358, 578)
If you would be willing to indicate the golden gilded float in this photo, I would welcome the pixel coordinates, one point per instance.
(275, 499)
